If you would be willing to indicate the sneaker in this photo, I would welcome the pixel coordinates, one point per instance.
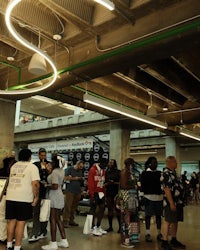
(33, 238)
(159, 237)
(50, 246)
(63, 243)
(127, 245)
(73, 224)
(12, 248)
(42, 236)
(66, 225)
(166, 246)
(177, 244)
(102, 231)
(3, 242)
(110, 229)
(96, 231)
(148, 238)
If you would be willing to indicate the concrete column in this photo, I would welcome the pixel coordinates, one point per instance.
(173, 149)
(119, 143)
(7, 121)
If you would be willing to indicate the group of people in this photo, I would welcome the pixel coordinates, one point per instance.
(163, 194)
(29, 183)
(192, 187)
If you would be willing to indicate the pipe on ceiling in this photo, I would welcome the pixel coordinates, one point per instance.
(150, 40)
(14, 67)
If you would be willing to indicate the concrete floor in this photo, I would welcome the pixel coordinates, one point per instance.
(189, 234)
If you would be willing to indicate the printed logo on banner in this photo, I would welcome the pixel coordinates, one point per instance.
(87, 165)
(105, 155)
(87, 156)
(78, 156)
(96, 157)
(96, 147)
(71, 156)
(85, 173)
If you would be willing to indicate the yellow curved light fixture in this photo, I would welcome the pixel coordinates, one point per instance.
(32, 47)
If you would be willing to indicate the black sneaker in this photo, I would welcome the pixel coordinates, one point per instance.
(3, 242)
(41, 236)
(159, 237)
(177, 244)
(166, 246)
(33, 238)
(110, 229)
(148, 238)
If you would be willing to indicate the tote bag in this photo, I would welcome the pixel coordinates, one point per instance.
(88, 224)
(45, 210)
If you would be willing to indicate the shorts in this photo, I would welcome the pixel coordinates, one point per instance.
(153, 207)
(97, 202)
(20, 211)
(173, 216)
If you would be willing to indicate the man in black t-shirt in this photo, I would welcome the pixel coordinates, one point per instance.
(39, 230)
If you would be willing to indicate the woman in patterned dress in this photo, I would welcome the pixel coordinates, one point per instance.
(128, 205)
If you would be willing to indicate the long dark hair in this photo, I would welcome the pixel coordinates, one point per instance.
(149, 161)
(114, 163)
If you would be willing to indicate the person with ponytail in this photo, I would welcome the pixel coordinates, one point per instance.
(55, 194)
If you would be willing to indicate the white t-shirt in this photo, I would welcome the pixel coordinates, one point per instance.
(20, 181)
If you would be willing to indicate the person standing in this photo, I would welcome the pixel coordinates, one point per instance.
(21, 196)
(39, 230)
(74, 177)
(112, 188)
(96, 187)
(128, 204)
(186, 186)
(194, 185)
(153, 197)
(4, 172)
(55, 194)
(173, 204)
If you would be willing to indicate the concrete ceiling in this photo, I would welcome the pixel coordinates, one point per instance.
(143, 50)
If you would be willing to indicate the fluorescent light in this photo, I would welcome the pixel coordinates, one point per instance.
(32, 47)
(45, 99)
(106, 3)
(122, 110)
(189, 134)
(144, 153)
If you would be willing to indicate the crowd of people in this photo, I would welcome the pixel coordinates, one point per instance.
(124, 192)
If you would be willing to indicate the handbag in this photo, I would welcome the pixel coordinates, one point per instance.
(88, 224)
(44, 210)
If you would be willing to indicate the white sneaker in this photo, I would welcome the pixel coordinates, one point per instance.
(96, 231)
(102, 231)
(63, 243)
(50, 246)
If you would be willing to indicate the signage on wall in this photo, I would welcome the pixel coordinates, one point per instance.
(64, 145)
